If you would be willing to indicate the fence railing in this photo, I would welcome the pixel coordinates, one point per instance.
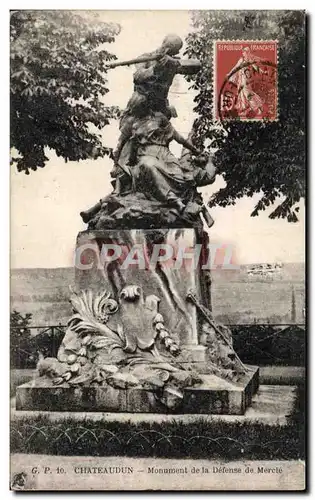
(261, 344)
(60, 327)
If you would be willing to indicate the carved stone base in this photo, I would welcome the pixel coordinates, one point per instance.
(169, 280)
(141, 337)
(213, 396)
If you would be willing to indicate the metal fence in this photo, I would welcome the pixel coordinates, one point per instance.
(62, 328)
(263, 344)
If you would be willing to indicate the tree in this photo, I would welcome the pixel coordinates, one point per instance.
(25, 347)
(20, 353)
(58, 77)
(257, 157)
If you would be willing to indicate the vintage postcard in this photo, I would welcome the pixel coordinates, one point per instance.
(157, 250)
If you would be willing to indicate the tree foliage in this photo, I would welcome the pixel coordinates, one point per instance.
(58, 77)
(25, 347)
(258, 157)
(19, 335)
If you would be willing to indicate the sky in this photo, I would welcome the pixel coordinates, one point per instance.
(45, 205)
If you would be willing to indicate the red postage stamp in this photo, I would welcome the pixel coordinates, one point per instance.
(245, 80)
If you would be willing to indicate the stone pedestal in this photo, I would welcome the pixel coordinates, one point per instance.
(169, 275)
(142, 338)
(213, 396)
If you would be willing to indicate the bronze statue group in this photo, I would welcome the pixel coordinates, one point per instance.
(152, 186)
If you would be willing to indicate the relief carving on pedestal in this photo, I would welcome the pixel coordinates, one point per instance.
(125, 343)
(129, 349)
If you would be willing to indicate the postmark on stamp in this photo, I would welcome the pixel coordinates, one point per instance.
(245, 80)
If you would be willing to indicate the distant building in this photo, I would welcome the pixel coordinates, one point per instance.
(264, 270)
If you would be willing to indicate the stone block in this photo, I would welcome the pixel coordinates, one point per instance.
(217, 396)
(42, 394)
(213, 396)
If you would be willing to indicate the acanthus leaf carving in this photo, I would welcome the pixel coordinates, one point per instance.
(127, 355)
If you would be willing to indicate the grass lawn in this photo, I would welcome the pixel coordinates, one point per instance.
(201, 439)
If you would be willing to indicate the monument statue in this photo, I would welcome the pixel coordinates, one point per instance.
(151, 186)
(145, 324)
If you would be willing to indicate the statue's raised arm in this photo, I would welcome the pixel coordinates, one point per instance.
(154, 76)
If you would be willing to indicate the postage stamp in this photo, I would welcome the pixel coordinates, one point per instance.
(245, 80)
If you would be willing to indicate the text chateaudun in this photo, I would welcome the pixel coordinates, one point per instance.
(103, 470)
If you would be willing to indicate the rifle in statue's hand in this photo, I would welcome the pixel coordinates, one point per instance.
(187, 66)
